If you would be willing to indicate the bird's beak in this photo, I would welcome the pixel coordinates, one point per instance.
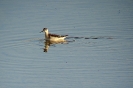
(41, 31)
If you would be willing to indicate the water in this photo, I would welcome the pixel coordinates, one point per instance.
(98, 52)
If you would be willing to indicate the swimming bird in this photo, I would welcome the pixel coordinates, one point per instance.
(53, 37)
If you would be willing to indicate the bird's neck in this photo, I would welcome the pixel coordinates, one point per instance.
(46, 35)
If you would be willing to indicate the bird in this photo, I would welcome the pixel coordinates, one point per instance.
(53, 37)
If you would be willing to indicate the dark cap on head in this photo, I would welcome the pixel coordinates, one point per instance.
(44, 29)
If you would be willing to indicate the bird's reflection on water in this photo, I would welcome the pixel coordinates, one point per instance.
(48, 43)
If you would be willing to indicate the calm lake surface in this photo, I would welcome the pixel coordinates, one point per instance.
(98, 52)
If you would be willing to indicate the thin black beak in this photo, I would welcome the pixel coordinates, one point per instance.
(41, 31)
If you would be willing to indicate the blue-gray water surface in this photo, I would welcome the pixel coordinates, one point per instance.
(98, 52)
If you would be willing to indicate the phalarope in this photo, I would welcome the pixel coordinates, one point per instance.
(53, 37)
